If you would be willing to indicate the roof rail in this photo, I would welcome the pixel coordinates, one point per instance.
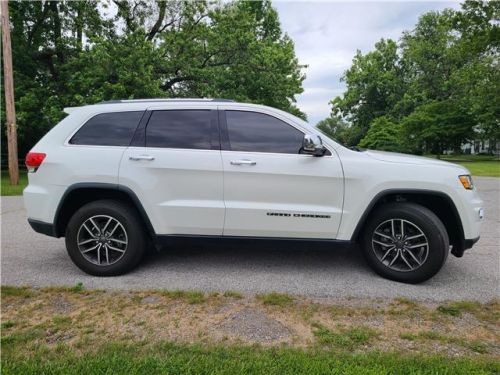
(164, 100)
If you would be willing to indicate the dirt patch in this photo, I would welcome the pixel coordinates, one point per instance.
(255, 326)
(150, 300)
(61, 305)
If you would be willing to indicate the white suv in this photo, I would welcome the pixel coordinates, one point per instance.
(118, 177)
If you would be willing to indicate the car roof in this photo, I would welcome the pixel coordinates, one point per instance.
(168, 100)
(138, 104)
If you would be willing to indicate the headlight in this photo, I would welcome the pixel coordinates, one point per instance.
(466, 181)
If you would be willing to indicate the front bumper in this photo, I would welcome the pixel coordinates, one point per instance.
(467, 244)
(44, 228)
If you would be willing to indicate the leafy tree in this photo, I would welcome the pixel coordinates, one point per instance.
(71, 53)
(438, 125)
(339, 130)
(374, 85)
(384, 134)
(441, 82)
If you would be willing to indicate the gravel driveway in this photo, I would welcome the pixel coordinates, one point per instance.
(29, 258)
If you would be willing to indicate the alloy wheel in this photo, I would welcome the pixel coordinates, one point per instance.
(400, 245)
(102, 240)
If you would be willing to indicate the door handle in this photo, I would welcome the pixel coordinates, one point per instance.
(243, 162)
(142, 157)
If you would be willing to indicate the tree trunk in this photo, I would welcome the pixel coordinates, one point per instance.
(10, 111)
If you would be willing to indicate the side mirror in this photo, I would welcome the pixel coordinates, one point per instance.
(313, 145)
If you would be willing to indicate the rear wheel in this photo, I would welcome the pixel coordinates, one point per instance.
(105, 238)
(405, 242)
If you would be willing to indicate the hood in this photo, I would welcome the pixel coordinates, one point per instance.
(394, 157)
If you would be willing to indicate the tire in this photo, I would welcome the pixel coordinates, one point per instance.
(414, 261)
(128, 238)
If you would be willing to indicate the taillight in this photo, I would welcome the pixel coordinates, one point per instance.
(34, 160)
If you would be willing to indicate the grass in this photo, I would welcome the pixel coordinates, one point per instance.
(275, 299)
(8, 324)
(483, 168)
(232, 294)
(80, 330)
(77, 288)
(478, 165)
(7, 189)
(489, 312)
(345, 338)
(192, 297)
(172, 358)
(16, 291)
(475, 345)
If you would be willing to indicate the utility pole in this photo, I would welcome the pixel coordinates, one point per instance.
(8, 81)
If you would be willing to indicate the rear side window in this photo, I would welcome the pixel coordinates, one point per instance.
(108, 129)
(258, 132)
(191, 129)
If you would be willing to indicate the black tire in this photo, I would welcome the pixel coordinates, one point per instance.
(131, 226)
(423, 220)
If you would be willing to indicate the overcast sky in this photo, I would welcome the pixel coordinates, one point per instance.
(328, 33)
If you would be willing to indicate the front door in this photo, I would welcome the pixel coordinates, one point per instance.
(270, 188)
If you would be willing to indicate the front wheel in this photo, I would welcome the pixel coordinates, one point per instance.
(105, 238)
(405, 242)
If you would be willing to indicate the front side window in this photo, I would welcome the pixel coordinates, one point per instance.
(258, 132)
(108, 129)
(191, 129)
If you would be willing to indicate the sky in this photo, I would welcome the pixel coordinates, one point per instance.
(328, 33)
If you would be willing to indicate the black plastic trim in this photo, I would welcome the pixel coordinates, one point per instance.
(86, 185)
(139, 138)
(276, 242)
(388, 192)
(470, 242)
(42, 227)
(224, 135)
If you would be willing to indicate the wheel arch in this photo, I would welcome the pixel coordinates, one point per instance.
(79, 194)
(438, 202)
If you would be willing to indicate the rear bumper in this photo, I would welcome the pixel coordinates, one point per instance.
(44, 228)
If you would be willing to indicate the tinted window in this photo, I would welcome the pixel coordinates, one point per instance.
(181, 129)
(251, 131)
(108, 129)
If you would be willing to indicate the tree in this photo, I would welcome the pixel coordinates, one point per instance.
(339, 130)
(438, 125)
(71, 53)
(374, 85)
(9, 95)
(441, 82)
(384, 134)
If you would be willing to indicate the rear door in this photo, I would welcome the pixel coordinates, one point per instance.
(270, 188)
(174, 166)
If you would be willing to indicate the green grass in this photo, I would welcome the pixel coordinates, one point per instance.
(478, 165)
(16, 291)
(275, 299)
(170, 358)
(475, 346)
(232, 294)
(8, 324)
(190, 296)
(345, 338)
(77, 288)
(8, 189)
(483, 168)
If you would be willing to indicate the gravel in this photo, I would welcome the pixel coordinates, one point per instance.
(29, 258)
(254, 325)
